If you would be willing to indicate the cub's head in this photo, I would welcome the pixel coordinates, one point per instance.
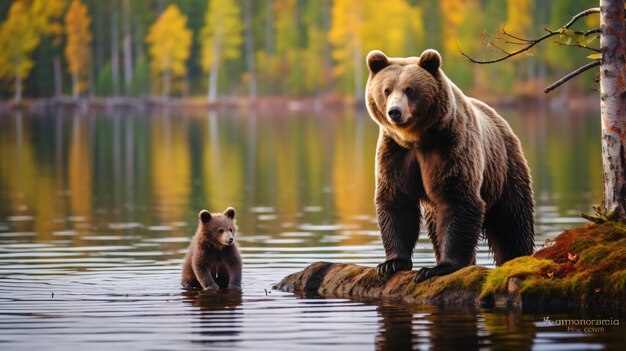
(405, 93)
(218, 229)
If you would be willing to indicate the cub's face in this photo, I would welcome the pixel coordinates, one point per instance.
(218, 228)
(402, 91)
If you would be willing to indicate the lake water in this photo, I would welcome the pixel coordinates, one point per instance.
(96, 211)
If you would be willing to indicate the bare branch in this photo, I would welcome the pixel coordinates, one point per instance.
(582, 14)
(533, 42)
(571, 75)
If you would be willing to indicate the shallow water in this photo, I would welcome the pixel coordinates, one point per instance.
(96, 211)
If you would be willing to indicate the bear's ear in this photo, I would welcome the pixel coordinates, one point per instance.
(376, 61)
(205, 216)
(230, 213)
(430, 60)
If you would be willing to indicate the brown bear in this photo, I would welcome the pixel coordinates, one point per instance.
(454, 156)
(213, 261)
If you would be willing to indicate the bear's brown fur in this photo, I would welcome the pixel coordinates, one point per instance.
(213, 261)
(452, 154)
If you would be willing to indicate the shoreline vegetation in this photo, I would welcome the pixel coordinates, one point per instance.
(327, 102)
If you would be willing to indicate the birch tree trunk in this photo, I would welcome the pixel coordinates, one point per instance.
(613, 107)
(166, 84)
(58, 87)
(18, 88)
(359, 93)
(115, 63)
(128, 53)
(215, 65)
(250, 50)
(75, 85)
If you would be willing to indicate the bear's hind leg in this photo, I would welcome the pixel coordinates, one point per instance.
(431, 227)
(509, 224)
(458, 227)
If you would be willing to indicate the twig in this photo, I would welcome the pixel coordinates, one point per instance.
(534, 42)
(572, 75)
(578, 46)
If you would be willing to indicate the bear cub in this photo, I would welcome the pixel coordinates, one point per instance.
(213, 261)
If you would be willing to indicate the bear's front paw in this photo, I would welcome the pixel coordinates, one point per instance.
(390, 267)
(425, 273)
(211, 287)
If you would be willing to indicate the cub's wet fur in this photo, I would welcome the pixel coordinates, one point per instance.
(213, 261)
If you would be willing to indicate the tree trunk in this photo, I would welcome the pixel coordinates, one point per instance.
(58, 84)
(115, 63)
(166, 84)
(613, 107)
(215, 65)
(250, 50)
(359, 92)
(18, 88)
(128, 53)
(75, 85)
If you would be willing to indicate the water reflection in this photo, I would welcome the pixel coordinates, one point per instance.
(220, 318)
(97, 207)
(404, 326)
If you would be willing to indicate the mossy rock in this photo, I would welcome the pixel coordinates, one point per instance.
(584, 268)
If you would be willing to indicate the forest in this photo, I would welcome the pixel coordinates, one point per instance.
(263, 48)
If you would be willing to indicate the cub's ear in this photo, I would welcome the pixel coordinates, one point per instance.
(376, 61)
(205, 216)
(230, 213)
(430, 60)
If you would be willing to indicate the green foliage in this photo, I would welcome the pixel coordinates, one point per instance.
(104, 81)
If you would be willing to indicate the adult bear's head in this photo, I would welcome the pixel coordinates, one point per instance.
(406, 95)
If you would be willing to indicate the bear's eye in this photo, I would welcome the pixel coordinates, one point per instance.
(408, 91)
(387, 91)
(221, 231)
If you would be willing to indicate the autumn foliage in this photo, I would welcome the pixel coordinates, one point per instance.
(290, 48)
(169, 40)
(77, 50)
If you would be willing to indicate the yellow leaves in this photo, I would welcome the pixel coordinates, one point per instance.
(359, 26)
(77, 49)
(18, 40)
(453, 14)
(595, 56)
(46, 15)
(346, 33)
(221, 37)
(518, 19)
(170, 42)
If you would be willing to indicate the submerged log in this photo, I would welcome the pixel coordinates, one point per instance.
(583, 268)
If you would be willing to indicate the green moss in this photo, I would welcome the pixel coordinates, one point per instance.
(521, 267)
(617, 282)
(583, 262)
(594, 255)
(470, 278)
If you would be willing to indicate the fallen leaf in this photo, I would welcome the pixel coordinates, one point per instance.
(572, 257)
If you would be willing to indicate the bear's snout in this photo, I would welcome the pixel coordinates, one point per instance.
(395, 113)
(230, 241)
(398, 108)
